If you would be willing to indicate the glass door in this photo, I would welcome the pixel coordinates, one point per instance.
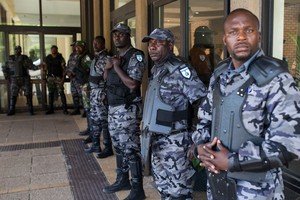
(30, 44)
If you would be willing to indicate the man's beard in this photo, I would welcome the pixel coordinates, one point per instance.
(243, 57)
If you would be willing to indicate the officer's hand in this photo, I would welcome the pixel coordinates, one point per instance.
(206, 154)
(221, 157)
(116, 60)
(109, 64)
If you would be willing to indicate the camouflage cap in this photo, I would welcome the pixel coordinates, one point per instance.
(123, 28)
(80, 43)
(160, 34)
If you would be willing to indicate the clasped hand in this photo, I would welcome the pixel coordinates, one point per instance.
(214, 160)
(112, 61)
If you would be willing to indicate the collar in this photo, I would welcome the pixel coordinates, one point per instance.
(244, 67)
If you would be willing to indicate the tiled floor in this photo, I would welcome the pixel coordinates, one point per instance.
(36, 173)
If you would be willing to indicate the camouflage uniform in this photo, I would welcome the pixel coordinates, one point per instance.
(16, 70)
(173, 171)
(176, 84)
(270, 112)
(55, 77)
(80, 83)
(124, 114)
(124, 120)
(76, 94)
(98, 104)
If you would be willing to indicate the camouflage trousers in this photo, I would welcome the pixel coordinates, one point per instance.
(18, 83)
(76, 88)
(54, 84)
(124, 128)
(98, 111)
(85, 91)
(172, 169)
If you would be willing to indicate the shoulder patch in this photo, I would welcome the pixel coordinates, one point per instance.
(186, 72)
(139, 57)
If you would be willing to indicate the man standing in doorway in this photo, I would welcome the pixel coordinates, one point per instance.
(55, 65)
(16, 71)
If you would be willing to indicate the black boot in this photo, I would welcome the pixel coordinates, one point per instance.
(108, 151)
(76, 110)
(85, 132)
(12, 105)
(88, 140)
(137, 192)
(95, 148)
(51, 101)
(122, 180)
(64, 103)
(84, 114)
(29, 103)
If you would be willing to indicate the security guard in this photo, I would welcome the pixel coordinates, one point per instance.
(124, 72)
(16, 71)
(249, 122)
(55, 65)
(174, 86)
(98, 102)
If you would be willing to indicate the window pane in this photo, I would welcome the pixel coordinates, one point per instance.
(170, 19)
(120, 3)
(291, 37)
(61, 13)
(20, 12)
(206, 33)
(63, 43)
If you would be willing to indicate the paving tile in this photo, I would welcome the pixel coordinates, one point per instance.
(48, 164)
(39, 181)
(16, 196)
(61, 193)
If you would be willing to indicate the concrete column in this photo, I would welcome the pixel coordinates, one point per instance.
(106, 23)
(142, 31)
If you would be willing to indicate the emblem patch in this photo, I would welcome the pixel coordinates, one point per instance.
(139, 58)
(185, 72)
(202, 57)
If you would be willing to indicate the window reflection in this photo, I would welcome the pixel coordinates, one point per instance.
(27, 13)
(206, 31)
(171, 20)
(291, 37)
(120, 3)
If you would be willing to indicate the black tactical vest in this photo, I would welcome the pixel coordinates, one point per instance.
(117, 92)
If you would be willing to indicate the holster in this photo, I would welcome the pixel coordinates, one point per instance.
(222, 187)
(146, 143)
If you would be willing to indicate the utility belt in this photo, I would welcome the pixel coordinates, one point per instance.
(97, 80)
(95, 86)
(54, 76)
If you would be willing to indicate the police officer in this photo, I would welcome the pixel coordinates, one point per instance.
(174, 86)
(16, 71)
(81, 82)
(70, 73)
(124, 72)
(249, 122)
(55, 65)
(98, 102)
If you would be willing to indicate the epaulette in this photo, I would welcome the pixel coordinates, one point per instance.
(264, 68)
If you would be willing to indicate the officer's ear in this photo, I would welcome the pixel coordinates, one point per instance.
(171, 45)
